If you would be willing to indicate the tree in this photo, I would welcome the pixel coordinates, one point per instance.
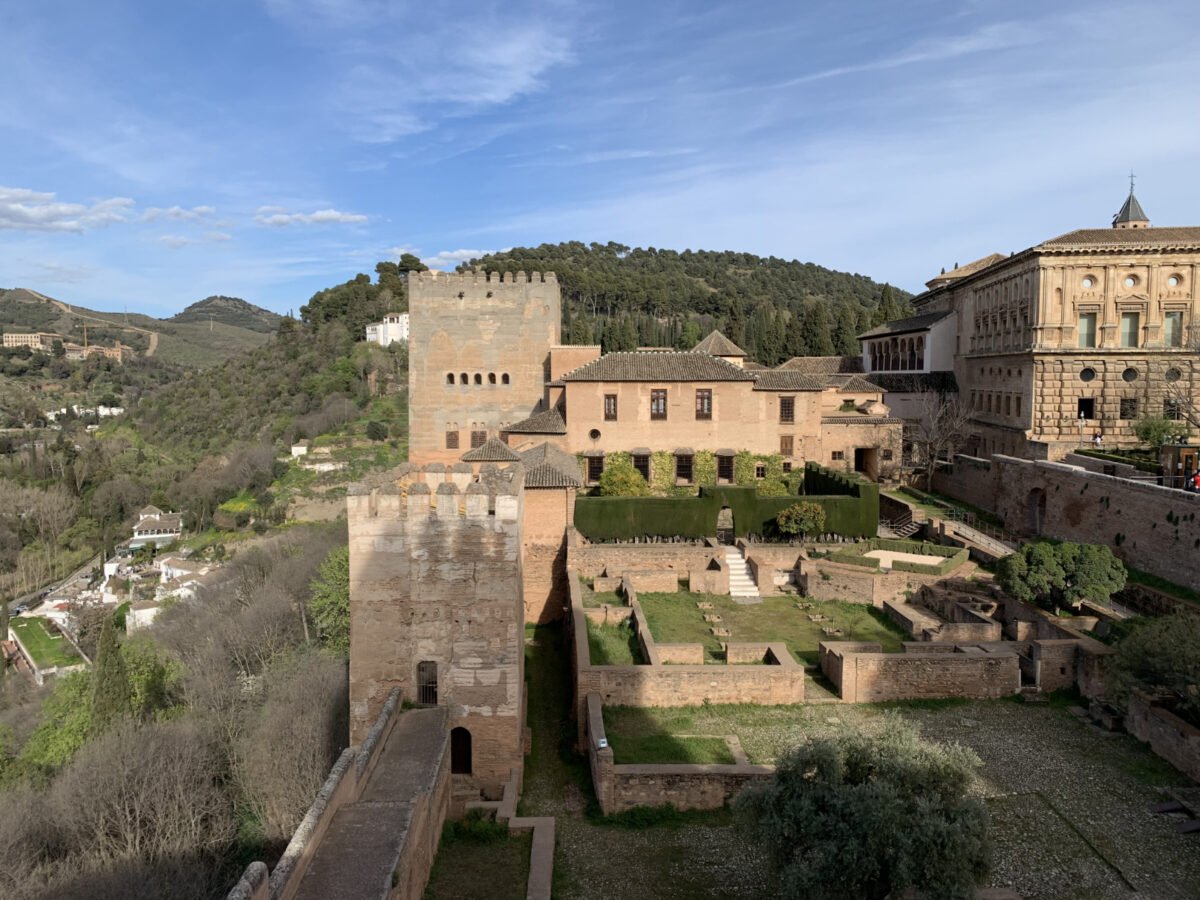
(853, 815)
(804, 517)
(886, 310)
(689, 337)
(111, 694)
(621, 479)
(160, 499)
(1160, 654)
(1159, 430)
(330, 603)
(816, 330)
(377, 431)
(845, 333)
(942, 425)
(1057, 575)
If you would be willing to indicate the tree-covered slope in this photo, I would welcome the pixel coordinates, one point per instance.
(230, 311)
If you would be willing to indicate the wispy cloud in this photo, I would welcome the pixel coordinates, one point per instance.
(178, 213)
(448, 259)
(279, 217)
(176, 241)
(54, 273)
(22, 209)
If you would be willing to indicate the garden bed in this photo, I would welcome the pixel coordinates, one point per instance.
(46, 649)
(613, 645)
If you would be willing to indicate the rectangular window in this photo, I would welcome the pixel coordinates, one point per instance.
(725, 469)
(837, 455)
(787, 410)
(1087, 329)
(595, 468)
(642, 464)
(760, 470)
(785, 445)
(683, 469)
(610, 407)
(478, 439)
(1171, 409)
(703, 403)
(1085, 408)
(1129, 329)
(451, 440)
(1008, 404)
(1017, 405)
(1129, 407)
(787, 466)
(658, 404)
(887, 455)
(1173, 329)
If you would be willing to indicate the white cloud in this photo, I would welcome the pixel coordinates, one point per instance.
(25, 210)
(178, 213)
(448, 259)
(175, 241)
(397, 252)
(279, 217)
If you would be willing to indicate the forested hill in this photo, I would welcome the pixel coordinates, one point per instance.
(625, 297)
(230, 311)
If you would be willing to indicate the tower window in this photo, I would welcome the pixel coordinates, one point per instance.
(504, 378)
(451, 440)
(478, 439)
(427, 683)
(462, 379)
(478, 378)
(491, 377)
(449, 378)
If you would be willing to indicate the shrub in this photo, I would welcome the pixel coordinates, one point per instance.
(377, 431)
(621, 479)
(801, 518)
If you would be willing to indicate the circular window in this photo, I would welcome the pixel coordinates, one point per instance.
(1174, 281)
(1172, 374)
(1130, 374)
(1130, 281)
(1089, 281)
(594, 434)
(1087, 374)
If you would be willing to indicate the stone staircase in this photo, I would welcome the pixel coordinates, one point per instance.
(741, 583)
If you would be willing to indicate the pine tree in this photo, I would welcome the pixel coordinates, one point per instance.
(111, 694)
(886, 310)
(845, 334)
(816, 331)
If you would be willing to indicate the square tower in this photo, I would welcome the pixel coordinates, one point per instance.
(479, 348)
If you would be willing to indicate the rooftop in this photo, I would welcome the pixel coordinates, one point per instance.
(548, 422)
(492, 450)
(547, 466)
(907, 326)
(823, 365)
(716, 344)
(657, 366)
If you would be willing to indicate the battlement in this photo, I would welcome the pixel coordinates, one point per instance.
(449, 279)
(435, 489)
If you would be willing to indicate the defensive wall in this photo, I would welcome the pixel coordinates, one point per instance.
(436, 608)
(1152, 528)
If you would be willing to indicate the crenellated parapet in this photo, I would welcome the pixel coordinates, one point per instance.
(436, 489)
(476, 277)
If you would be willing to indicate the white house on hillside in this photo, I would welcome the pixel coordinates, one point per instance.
(156, 527)
(394, 327)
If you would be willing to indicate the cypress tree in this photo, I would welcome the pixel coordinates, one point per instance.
(845, 335)
(111, 694)
(816, 331)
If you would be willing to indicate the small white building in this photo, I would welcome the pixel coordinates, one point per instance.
(393, 328)
(156, 527)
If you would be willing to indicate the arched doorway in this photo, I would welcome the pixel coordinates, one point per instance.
(460, 751)
(1035, 511)
(725, 525)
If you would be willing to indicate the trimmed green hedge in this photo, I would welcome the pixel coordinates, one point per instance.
(856, 556)
(851, 509)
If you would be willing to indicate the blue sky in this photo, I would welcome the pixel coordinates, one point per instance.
(152, 154)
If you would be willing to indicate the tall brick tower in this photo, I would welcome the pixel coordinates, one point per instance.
(435, 608)
(479, 355)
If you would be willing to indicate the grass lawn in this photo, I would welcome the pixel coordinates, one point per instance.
(637, 736)
(613, 645)
(596, 599)
(1137, 576)
(45, 649)
(465, 869)
(674, 619)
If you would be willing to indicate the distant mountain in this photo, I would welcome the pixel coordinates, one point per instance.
(232, 311)
(196, 343)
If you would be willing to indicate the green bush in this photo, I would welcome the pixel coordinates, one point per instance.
(621, 479)
(804, 517)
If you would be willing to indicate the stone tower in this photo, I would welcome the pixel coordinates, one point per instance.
(479, 348)
(435, 608)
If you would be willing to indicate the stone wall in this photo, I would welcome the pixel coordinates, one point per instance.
(863, 674)
(590, 560)
(1152, 528)
(622, 787)
(547, 512)
(435, 578)
(1146, 601)
(663, 581)
(823, 579)
(1168, 735)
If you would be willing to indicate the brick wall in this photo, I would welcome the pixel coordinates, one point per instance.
(822, 579)
(865, 675)
(1152, 528)
(1168, 735)
(591, 560)
(547, 512)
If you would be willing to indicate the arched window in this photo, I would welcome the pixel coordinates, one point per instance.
(478, 378)
(504, 378)
(449, 378)
(427, 683)
(462, 379)
(460, 751)
(491, 377)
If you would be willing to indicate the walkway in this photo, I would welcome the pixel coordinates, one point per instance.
(741, 580)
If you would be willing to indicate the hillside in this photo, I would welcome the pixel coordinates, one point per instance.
(230, 311)
(625, 297)
(188, 343)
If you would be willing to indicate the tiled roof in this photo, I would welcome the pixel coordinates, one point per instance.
(915, 382)
(150, 511)
(548, 422)
(716, 344)
(860, 419)
(853, 384)
(492, 450)
(777, 380)
(163, 522)
(906, 326)
(1124, 237)
(673, 366)
(969, 269)
(1131, 211)
(751, 366)
(547, 466)
(823, 365)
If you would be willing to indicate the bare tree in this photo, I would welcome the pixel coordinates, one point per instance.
(942, 426)
(1182, 393)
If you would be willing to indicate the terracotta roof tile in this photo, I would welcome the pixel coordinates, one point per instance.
(716, 344)
(492, 450)
(823, 365)
(906, 326)
(548, 422)
(672, 366)
(1124, 237)
(778, 380)
(548, 466)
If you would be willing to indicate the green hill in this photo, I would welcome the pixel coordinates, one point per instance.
(195, 341)
(230, 311)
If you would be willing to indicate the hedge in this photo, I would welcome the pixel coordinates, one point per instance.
(856, 556)
(851, 509)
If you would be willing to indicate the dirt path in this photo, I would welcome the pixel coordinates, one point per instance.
(73, 312)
